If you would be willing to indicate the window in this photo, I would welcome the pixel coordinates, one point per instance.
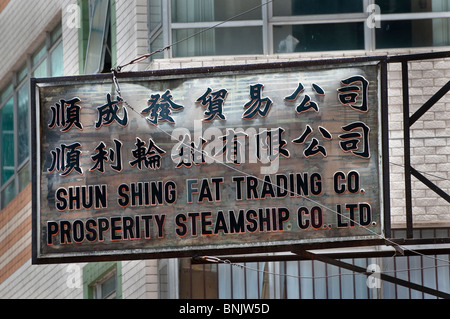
(97, 36)
(417, 23)
(197, 281)
(311, 30)
(188, 18)
(168, 278)
(15, 119)
(155, 26)
(106, 288)
(102, 280)
(283, 26)
(307, 279)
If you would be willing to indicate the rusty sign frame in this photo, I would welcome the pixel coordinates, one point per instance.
(331, 253)
(106, 78)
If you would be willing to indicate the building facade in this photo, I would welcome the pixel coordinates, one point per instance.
(70, 37)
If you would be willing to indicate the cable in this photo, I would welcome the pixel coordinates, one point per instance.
(300, 195)
(145, 56)
(422, 172)
(367, 273)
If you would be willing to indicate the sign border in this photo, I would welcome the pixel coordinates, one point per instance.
(279, 246)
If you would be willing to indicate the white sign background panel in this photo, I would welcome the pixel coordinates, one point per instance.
(280, 157)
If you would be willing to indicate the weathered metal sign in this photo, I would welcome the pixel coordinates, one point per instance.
(206, 161)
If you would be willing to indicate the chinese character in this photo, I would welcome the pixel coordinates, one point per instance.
(351, 140)
(233, 148)
(214, 103)
(66, 114)
(314, 147)
(65, 159)
(349, 93)
(256, 105)
(189, 152)
(159, 108)
(151, 156)
(272, 143)
(103, 156)
(107, 113)
(306, 103)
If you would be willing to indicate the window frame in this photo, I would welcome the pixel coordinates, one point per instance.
(19, 79)
(109, 38)
(97, 273)
(168, 278)
(269, 21)
(94, 61)
(98, 286)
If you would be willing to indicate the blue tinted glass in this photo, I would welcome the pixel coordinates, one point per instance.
(318, 37)
(7, 140)
(22, 123)
(305, 7)
(57, 60)
(413, 33)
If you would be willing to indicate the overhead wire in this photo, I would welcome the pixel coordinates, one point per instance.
(216, 259)
(148, 55)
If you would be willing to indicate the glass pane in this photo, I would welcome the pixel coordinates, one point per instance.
(157, 44)
(388, 288)
(252, 284)
(292, 284)
(7, 140)
(108, 288)
(97, 35)
(57, 60)
(320, 282)
(401, 266)
(23, 124)
(443, 273)
(318, 37)
(56, 34)
(415, 274)
(214, 10)
(304, 7)
(23, 72)
(24, 176)
(8, 194)
(238, 282)
(347, 282)
(402, 6)
(429, 274)
(4, 95)
(38, 55)
(361, 287)
(155, 14)
(306, 283)
(224, 281)
(219, 41)
(41, 70)
(333, 282)
(413, 33)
